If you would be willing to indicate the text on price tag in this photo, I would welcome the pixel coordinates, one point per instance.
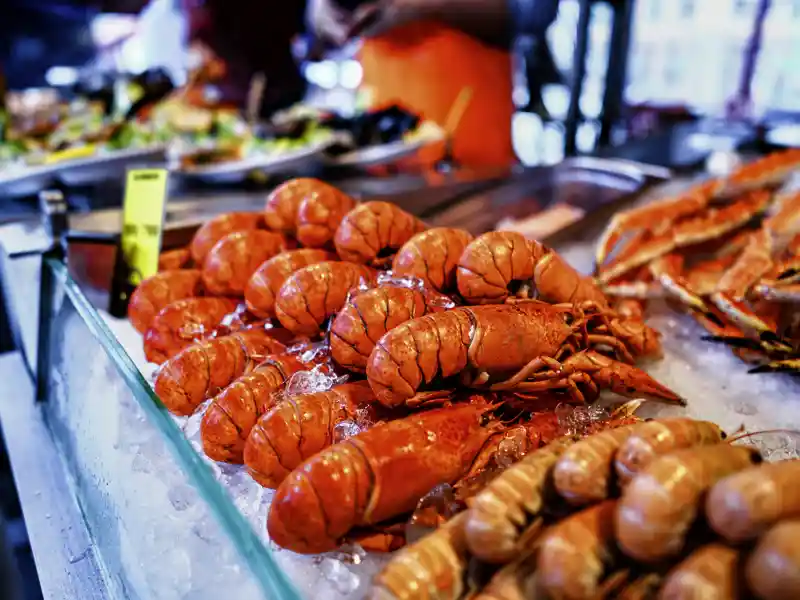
(143, 221)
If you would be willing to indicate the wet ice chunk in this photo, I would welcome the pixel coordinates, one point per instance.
(344, 581)
(345, 430)
(318, 379)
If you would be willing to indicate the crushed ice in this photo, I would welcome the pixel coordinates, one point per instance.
(321, 378)
(345, 430)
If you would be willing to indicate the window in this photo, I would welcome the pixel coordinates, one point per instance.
(741, 7)
(655, 10)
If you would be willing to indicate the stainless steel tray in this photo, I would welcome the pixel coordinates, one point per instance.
(589, 184)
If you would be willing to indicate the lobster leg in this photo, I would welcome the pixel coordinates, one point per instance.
(604, 372)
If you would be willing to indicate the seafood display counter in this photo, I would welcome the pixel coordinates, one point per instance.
(155, 452)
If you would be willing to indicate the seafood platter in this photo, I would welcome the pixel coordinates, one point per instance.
(450, 414)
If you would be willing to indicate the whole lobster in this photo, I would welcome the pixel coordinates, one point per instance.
(263, 286)
(233, 260)
(502, 265)
(527, 347)
(370, 314)
(229, 418)
(158, 291)
(203, 369)
(217, 228)
(433, 256)
(374, 476)
(181, 323)
(299, 427)
(312, 295)
(373, 232)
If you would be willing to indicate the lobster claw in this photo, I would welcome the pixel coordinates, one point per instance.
(595, 371)
(620, 378)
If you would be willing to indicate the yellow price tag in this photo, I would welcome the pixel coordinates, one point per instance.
(143, 221)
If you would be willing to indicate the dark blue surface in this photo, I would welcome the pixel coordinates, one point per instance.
(18, 578)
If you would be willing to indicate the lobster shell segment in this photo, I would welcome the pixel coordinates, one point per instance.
(231, 416)
(182, 323)
(367, 316)
(179, 258)
(283, 203)
(217, 228)
(373, 232)
(203, 369)
(312, 295)
(433, 256)
(374, 476)
(266, 282)
(233, 260)
(320, 214)
(159, 291)
(299, 427)
(501, 265)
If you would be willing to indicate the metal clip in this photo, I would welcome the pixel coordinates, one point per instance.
(54, 213)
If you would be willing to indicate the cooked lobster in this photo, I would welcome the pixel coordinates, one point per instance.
(217, 228)
(527, 347)
(312, 295)
(158, 291)
(202, 370)
(374, 476)
(373, 232)
(502, 265)
(433, 256)
(299, 427)
(233, 260)
(370, 314)
(181, 323)
(233, 413)
(263, 286)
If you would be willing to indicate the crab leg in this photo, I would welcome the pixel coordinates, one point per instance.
(714, 223)
(770, 171)
(662, 211)
(756, 261)
(668, 271)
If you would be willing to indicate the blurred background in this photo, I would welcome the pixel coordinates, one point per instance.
(624, 71)
(685, 57)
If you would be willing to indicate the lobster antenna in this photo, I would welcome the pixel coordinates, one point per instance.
(743, 436)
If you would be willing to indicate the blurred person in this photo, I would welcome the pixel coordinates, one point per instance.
(423, 53)
(238, 40)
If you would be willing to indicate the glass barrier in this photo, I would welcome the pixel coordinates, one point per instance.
(163, 525)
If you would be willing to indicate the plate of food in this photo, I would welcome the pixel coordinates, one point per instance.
(233, 160)
(379, 137)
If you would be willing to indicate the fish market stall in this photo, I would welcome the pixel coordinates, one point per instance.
(310, 389)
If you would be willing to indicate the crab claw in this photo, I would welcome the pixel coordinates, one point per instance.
(621, 378)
